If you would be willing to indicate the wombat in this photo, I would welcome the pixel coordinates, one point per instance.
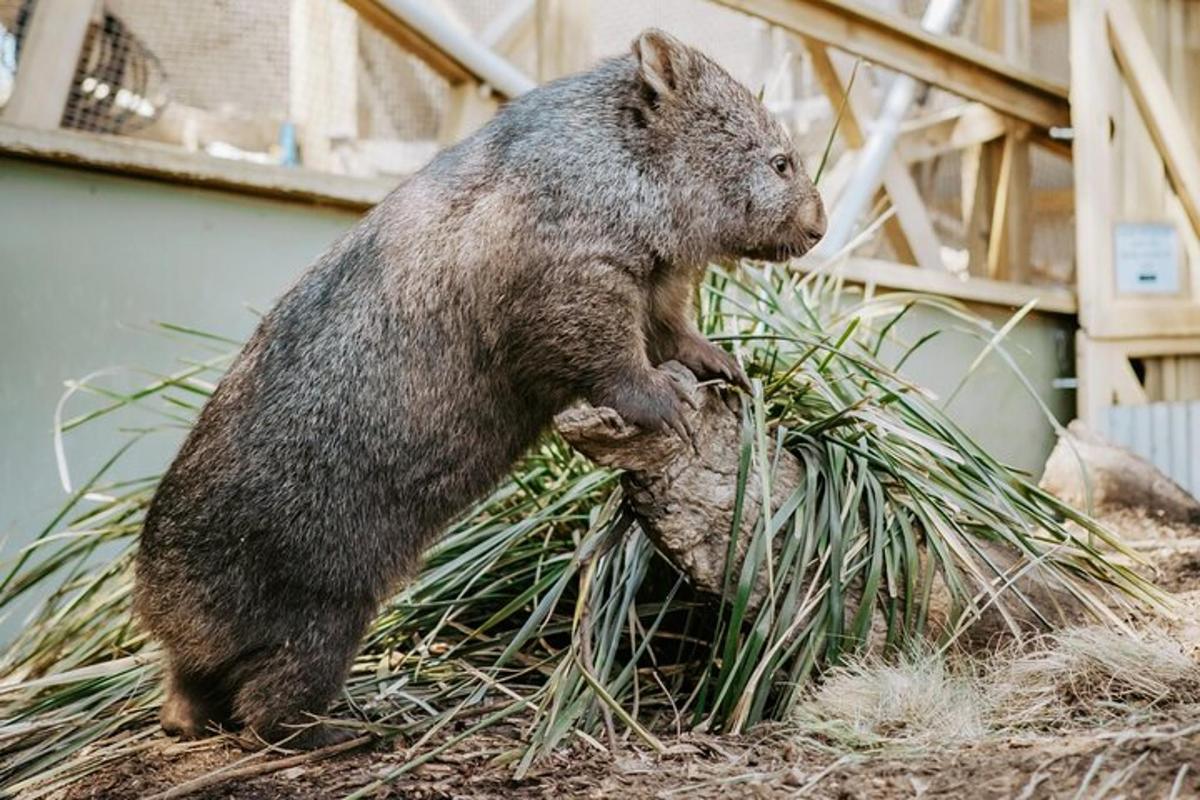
(551, 256)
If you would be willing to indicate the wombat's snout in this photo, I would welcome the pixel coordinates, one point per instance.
(814, 220)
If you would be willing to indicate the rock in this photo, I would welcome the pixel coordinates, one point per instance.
(1118, 478)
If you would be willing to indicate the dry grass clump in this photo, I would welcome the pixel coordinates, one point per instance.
(1071, 679)
(1094, 674)
(919, 701)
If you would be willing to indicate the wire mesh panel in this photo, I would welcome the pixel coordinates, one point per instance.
(246, 79)
(118, 86)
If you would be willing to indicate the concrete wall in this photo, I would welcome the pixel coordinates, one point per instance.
(89, 261)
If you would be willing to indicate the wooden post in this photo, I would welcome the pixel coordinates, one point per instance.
(564, 37)
(323, 99)
(469, 106)
(1157, 105)
(48, 59)
(997, 176)
(1008, 253)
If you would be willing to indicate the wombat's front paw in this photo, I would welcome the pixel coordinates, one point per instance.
(659, 404)
(709, 362)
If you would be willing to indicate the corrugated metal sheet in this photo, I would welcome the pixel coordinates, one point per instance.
(1166, 434)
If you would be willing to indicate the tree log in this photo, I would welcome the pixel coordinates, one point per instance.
(684, 495)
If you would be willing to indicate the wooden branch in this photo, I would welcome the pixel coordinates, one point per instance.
(684, 498)
(49, 55)
(900, 44)
(913, 237)
(243, 771)
(1157, 105)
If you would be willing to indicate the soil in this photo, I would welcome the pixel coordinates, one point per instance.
(1140, 763)
(1158, 759)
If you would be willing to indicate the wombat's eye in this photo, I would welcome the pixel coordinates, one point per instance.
(782, 165)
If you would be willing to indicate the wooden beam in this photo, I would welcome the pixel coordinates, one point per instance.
(1011, 231)
(900, 44)
(563, 37)
(877, 272)
(1157, 105)
(49, 55)
(1043, 11)
(944, 132)
(914, 238)
(134, 158)
(979, 174)
(1059, 200)
(1005, 28)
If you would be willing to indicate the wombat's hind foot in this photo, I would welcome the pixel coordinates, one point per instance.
(187, 712)
(284, 691)
(301, 736)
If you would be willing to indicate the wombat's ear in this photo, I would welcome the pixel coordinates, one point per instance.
(662, 60)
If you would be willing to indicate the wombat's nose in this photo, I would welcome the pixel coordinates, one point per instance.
(815, 221)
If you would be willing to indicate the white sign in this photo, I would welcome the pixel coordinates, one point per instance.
(1147, 257)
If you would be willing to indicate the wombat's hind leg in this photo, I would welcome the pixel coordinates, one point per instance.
(193, 707)
(284, 691)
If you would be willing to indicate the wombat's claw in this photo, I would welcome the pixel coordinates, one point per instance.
(740, 379)
(678, 421)
(683, 390)
(610, 419)
(707, 362)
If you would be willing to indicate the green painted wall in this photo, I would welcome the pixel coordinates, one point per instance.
(89, 261)
(993, 406)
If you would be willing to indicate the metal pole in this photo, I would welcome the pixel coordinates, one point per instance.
(482, 62)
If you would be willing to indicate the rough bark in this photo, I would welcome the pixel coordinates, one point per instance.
(684, 496)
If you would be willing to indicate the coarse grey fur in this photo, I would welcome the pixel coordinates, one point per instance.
(551, 256)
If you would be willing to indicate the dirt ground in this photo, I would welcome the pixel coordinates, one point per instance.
(1146, 763)
(1155, 759)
